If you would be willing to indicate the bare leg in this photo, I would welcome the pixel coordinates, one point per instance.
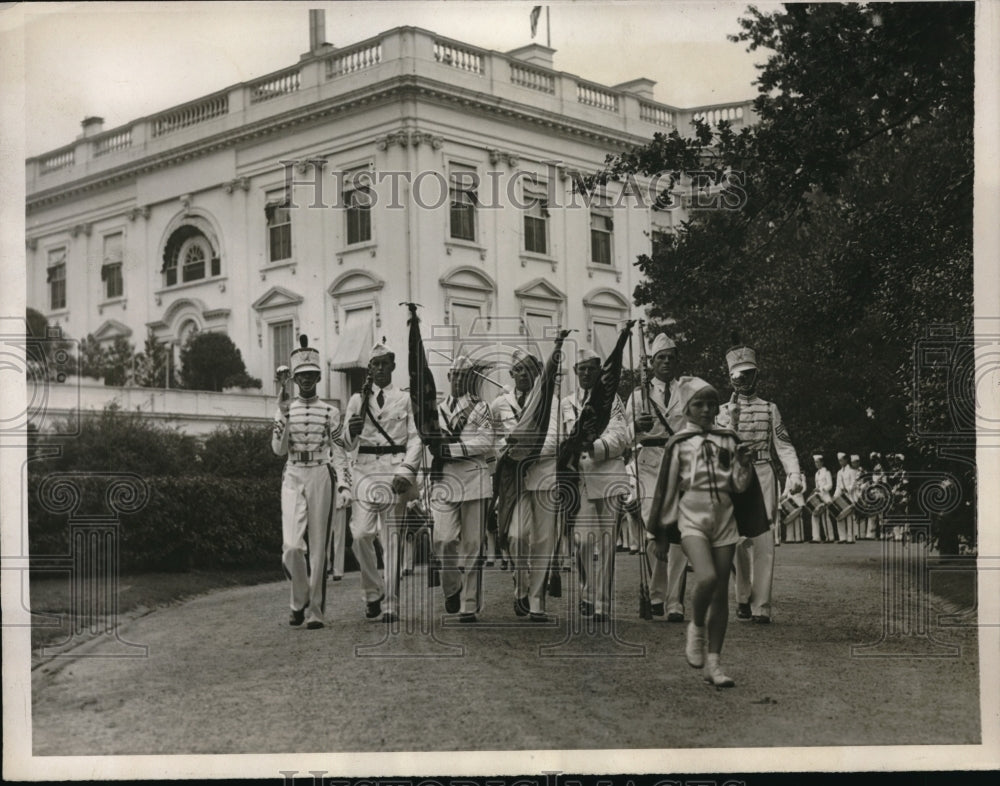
(718, 615)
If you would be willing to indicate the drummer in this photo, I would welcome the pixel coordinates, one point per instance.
(821, 529)
(847, 477)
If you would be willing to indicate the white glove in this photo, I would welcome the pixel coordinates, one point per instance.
(793, 484)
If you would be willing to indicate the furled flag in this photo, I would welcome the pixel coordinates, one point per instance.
(423, 391)
(535, 13)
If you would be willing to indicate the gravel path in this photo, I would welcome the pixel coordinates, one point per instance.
(226, 674)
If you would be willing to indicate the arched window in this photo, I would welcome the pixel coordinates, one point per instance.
(189, 255)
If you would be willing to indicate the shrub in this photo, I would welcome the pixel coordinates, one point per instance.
(241, 451)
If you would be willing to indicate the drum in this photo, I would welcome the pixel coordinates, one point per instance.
(841, 507)
(815, 502)
(790, 510)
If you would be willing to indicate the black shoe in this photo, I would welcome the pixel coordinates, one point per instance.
(539, 616)
(503, 564)
(489, 563)
(761, 619)
(657, 609)
(338, 578)
(743, 611)
(297, 617)
(586, 608)
(453, 603)
(389, 617)
(521, 606)
(467, 616)
(373, 608)
(314, 624)
(675, 616)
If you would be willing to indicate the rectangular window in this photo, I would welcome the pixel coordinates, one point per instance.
(463, 185)
(111, 266)
(358, 201)
(605, 336)
(536, 322)
(279, 227)
(536, 219)
(282, 340)
(601, 227)
(56, 277)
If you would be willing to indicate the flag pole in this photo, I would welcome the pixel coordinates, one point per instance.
(548, 29)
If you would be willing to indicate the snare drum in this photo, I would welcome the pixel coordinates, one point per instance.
(790, 510)
(815, 503)
(841, 507)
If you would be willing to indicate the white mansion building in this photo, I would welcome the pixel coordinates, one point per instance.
(184, 221)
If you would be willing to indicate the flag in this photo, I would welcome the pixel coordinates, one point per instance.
(524, 445)
(535, 13)
(423, 391)
(593, 420)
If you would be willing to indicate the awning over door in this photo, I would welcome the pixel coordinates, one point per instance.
(355, 341)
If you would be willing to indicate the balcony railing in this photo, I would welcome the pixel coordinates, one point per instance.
(191, 114)
(734, 114)
(356, 59)
(458, 57)
(657, 115)
(274, 86)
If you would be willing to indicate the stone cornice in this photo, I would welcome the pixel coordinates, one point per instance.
(396, 88)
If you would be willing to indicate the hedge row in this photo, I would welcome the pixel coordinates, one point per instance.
(183, 522)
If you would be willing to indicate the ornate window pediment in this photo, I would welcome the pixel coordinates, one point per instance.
(276, 297)
(355, 289)
(110, 330)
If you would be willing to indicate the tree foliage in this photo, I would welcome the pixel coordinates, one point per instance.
(854, 229)
(211, 361)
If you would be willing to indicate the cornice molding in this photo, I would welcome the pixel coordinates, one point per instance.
(396, 88)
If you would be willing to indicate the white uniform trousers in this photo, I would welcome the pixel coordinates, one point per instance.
(370, 520)
(306, 498)
(666, 584)
(532, 538)
(458, 538)
(820, 526)
(755, 556)
(338, 535)
(594, 533)
(846, 526)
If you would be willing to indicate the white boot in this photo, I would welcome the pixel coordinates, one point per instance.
(695, 648)
(714, 675)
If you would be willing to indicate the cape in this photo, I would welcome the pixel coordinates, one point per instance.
(748, 506)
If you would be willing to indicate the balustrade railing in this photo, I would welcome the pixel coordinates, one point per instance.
(192, 114)
(58, 160)
(274, 86)
(532, 78)
(119, 140)
(458, 57)
(592, 95)
(657, 115)
(351, 60)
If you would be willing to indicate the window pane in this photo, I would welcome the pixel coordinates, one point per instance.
(463, 203)
(359, 217)
(280, 241)
(57, 287)
(113, 284)
(194, 263)
(279, 223)
(281, 341)
(534, 235)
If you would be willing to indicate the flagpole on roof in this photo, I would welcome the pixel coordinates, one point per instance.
(548, 29)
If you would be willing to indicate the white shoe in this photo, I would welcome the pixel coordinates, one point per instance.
(714, 676)
(694, 651)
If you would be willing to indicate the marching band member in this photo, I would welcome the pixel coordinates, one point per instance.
(876, 477)
(459, 496)
(854, 493)
(653, 429)
(824, 487)
(703, 468)
(380, 428)
(602, 479)
(846, 477)
(533, 527)
(307, 430)
(759, 423)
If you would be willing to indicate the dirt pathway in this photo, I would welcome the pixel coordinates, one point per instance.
(224, 673)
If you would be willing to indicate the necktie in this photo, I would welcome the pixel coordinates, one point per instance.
(380, 399)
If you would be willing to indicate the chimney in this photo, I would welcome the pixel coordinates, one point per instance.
(317, 29)
(92, 126)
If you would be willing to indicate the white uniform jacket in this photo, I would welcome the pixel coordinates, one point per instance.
(467, 472)
(847, 481)
(760, 424)
(603, 472)
(506, 413)
(375, 460)
(824, 484)
(665, 407)
(309, 435)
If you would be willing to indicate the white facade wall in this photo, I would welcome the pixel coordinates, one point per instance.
(412, 111)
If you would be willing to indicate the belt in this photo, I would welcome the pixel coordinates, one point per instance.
(301, 456)
(381, 450)
(653, 442)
